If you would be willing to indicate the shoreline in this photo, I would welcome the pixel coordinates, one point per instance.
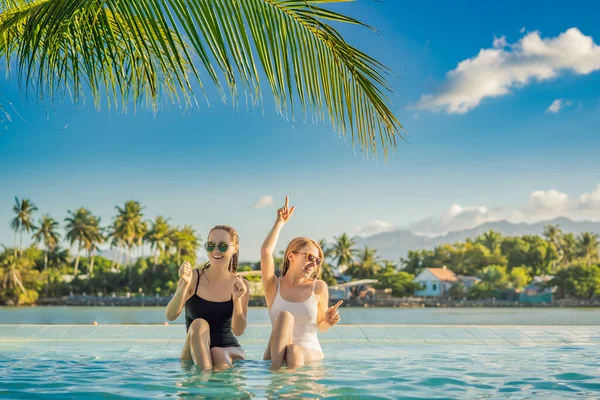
(142, 301)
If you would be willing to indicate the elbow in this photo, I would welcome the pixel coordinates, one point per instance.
(239, 331)
(170, 316)
(239, 328)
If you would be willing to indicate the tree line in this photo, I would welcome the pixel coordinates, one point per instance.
(40, 268)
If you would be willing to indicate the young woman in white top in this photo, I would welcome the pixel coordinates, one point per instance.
(298, 301)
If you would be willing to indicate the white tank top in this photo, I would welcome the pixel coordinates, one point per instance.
(305, 318)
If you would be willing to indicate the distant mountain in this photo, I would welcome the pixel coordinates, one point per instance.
(393, 245)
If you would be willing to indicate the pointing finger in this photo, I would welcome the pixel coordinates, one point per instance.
(339, 303)
(287, 201)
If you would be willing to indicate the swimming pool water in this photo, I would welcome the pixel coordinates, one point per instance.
(82, 367)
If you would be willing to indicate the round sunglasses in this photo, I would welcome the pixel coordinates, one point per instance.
(310, 257)
(222, 246)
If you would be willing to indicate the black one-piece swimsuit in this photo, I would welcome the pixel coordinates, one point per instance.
(218, 314)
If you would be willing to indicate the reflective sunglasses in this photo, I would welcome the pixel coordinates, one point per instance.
(311, 258)
(210, 246)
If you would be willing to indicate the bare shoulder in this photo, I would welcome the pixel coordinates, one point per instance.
(320, 286)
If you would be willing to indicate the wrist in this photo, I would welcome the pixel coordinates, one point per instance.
(184, 284)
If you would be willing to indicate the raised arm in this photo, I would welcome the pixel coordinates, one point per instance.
(178, 300)
(267, 264)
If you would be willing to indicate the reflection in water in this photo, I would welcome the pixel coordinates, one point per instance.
(226, 383)
(303, 382)
(265, 383)
(368, 370)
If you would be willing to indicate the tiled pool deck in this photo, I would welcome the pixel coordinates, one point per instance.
(19, 336)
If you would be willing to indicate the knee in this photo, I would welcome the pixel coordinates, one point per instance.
(284, 317)
(199, 325)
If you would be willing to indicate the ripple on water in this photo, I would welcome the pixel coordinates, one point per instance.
(573, 377)
(380, 372)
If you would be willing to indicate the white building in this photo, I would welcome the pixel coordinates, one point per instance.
(436, 282)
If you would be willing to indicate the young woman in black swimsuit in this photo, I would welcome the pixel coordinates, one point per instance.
(215, 301)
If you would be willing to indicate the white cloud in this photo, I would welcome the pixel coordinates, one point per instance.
(590, 201)
(557, 105)
(495, 71)
(264, 201)
(500, 43)
(374, 227)
(548, 200)
(542, 205)
(522, 30)
(456, 218)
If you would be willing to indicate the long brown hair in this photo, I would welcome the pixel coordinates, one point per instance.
(233, 263)
(296, 245)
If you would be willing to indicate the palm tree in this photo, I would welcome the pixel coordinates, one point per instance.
(490, 239)
(186, 243)
(47, 234)
(124, 50)
(157, 236)
(588, 246)
(116, 235)
(568, 246)
(77, 227)
(367, 264)
(58, 256)
(93, 237)
(553, 234)
(12, 275)
(326, 272)
(343, 251)
(115, 244)
(23, 221)
(129, 226)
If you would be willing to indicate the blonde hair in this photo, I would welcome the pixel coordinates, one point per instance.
(296, 245)
(233, 263)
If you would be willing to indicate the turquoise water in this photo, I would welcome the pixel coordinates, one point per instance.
(357, 371)
(258, 315)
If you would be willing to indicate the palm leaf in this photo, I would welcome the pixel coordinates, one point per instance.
(125, 50)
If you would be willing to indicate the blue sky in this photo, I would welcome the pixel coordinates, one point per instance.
(500, 156)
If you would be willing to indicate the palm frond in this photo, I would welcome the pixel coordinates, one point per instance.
(132, 50)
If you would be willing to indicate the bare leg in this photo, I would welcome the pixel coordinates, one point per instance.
(186, 352)
(294, 356)
(267, 355)
(199, 340)
(281, 336)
